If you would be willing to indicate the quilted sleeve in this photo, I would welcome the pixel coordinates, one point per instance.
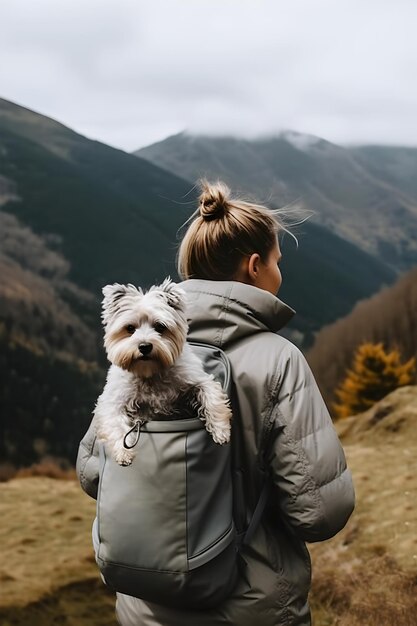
(313, 486)
(87, 466)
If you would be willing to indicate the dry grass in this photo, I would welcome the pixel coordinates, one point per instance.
(7, 472)
(86, 602)
(48, 467)
(378, 593)
(45, 538)
(367, 574)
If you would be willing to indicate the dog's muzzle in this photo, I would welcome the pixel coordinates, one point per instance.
(145, 348)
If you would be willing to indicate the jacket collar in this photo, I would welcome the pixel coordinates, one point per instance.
(221, 312)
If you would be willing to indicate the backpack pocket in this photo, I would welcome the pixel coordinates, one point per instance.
(164, 529)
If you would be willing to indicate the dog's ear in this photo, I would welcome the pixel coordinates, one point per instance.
(113, 294)
(174, 295)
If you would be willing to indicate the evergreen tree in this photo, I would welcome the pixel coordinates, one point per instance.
(374, 374)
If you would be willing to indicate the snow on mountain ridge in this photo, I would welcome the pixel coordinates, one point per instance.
(301, 141)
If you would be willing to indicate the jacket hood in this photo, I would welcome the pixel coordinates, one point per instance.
(221, 312)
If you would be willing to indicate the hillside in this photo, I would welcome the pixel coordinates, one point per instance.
(38, 303)
(75, 215)
(366, 575)
(388, 317)
(350, 194)
(394, 164)
(115, 216)
(49, 363)
(48, 574)
(325, 277)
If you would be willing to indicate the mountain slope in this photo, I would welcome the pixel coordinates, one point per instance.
(115, 214)
(388, 317)
(326, 276)
(49, 370)
(367, 573)
(117, 217)
(396, 165)
(358, 204)
(76, 214)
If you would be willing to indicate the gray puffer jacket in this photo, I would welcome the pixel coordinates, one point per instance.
(312, 495)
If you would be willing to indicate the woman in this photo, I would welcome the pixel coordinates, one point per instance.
(229, 260)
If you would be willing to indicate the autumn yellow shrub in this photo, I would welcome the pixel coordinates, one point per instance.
(374, 374)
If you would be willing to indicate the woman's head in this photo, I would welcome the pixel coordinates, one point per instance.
(230, 239)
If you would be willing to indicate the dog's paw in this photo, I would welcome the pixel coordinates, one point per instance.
(123, 458)
(125, 463)
(221, 434)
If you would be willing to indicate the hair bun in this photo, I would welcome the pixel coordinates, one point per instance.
(213, 200)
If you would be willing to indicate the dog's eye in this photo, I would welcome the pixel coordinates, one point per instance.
(130, 329)
(159, 327)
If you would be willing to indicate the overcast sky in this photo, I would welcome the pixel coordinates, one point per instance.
(131, 72)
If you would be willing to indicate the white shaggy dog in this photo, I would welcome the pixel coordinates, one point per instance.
(154, 370)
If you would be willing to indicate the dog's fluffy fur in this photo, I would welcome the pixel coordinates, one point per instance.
(153, 367)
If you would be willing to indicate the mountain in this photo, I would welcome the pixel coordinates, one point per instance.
(372, 204)
(36, 295)
(394, 164)
(388, 317)
(115, 216)
(320, 283)
(75, 215)
(50, 366)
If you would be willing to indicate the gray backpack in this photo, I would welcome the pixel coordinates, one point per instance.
(169, 527)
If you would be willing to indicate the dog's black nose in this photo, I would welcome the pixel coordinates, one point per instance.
(145, 348)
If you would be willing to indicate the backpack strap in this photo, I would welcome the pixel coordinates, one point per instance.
(258, 512)
(245, 527)
(239, 500)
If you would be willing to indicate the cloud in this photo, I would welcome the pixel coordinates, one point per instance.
(129, 73)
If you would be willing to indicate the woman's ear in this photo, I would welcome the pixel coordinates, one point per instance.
(248, 271)
(253, 266)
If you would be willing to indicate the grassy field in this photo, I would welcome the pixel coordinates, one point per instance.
(48, 574)
(77, 604)
(366, 576)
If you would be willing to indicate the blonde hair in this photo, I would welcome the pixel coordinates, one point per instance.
(223, 232)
